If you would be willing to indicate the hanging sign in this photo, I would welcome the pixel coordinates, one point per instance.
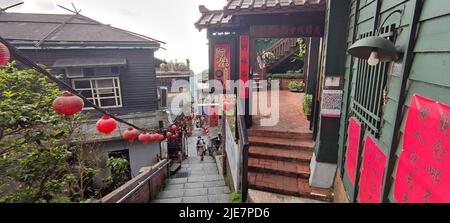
(222, 65)
(372, 173)
(213, 116)
(351, 156)
(244, 63)
(423, 172)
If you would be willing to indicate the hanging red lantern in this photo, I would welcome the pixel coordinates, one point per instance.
(160, 137)
(169, 135)
(130, 134)
(4, 54)
(173, 127)
(68, 104)
(175, 136)
(154, 137)
(144, 137)
(106, 125)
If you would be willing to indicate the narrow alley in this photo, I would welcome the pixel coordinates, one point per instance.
(196, 181)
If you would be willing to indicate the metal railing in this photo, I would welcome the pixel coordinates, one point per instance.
(243, 145)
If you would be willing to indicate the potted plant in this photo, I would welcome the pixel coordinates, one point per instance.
(307, 105)
(296, 86)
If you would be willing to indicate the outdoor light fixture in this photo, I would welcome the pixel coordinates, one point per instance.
(375, 49)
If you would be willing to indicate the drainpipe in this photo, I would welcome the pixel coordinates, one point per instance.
(406, 70)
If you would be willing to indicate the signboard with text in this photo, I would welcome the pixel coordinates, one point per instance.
(352, 153)
(244, 63)
(372, 173)
(423, 172)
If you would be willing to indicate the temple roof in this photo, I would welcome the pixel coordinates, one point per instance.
(213, 18)
(248, 7)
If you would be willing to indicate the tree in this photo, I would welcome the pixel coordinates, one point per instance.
(39, 161)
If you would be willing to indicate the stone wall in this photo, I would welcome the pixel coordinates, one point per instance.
(149, 187)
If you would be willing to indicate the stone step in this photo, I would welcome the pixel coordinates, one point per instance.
(284, 168)
(258, 196)
(286, 134)
(281, 143)
(279, 154)
(287, 185)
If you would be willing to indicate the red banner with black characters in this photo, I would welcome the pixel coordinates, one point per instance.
(222, 64)
(244, 63)
(372, 173)
(213, 116)
(351, 156)
(423, 172)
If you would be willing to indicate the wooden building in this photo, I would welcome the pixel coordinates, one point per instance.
(371, 123)
(113, 68)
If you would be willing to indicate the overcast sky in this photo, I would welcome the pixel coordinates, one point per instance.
(171, 21)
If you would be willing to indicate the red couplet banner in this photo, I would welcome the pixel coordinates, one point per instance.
(244, 63)
(351, 156)
(222, 64)
(213, 116)
(423, 172)
(372, 173)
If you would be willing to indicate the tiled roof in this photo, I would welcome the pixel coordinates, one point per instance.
(240, 7)
(213, 18)
(64, 28)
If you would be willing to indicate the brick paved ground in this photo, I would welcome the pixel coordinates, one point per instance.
(203, 184)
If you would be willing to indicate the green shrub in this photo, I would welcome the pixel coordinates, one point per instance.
(295, 85)
(307, 104)
(235, 197)
(289, 75)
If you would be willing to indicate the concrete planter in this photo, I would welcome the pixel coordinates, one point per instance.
(284, 83)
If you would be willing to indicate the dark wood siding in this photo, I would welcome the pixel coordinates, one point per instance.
(428, 76)
(137, 79)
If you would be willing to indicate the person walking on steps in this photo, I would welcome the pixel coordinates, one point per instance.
(200, 148)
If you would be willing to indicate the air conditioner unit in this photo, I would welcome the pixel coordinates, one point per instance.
(162, 97)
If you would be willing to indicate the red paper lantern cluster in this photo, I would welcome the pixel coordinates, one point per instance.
(130, 134)
(4, 54)
(68, 104)
(106, 125)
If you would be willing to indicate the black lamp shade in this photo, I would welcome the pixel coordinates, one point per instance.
(364, 47)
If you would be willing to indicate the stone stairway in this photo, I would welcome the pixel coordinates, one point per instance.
(279, 163)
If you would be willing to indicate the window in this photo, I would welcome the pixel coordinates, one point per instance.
(103, 92)
(370, 89)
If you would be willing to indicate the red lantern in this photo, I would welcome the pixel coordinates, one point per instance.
(153, 137)
(106, 125)
(144, 137)
(160, 137)
(173, 127)
(175, 136)
(130, 134)
(169, 135)
(4, 54)
(68, 104)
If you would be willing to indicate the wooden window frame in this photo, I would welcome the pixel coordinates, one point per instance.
(96, 96)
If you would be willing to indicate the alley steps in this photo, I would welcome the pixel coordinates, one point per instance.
(282, 143)
(284, 168)
(279, 163)
(300, 156)
(294, 186)
(307, 135)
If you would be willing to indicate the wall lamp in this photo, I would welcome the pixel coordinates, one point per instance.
(375, 48)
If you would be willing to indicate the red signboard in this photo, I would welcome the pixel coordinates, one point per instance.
(213, 116)
(372, 173)
(222, 64)
(423, 172)
(351, 156)
(244, 63)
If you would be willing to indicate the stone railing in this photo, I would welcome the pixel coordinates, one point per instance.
(142, 188)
